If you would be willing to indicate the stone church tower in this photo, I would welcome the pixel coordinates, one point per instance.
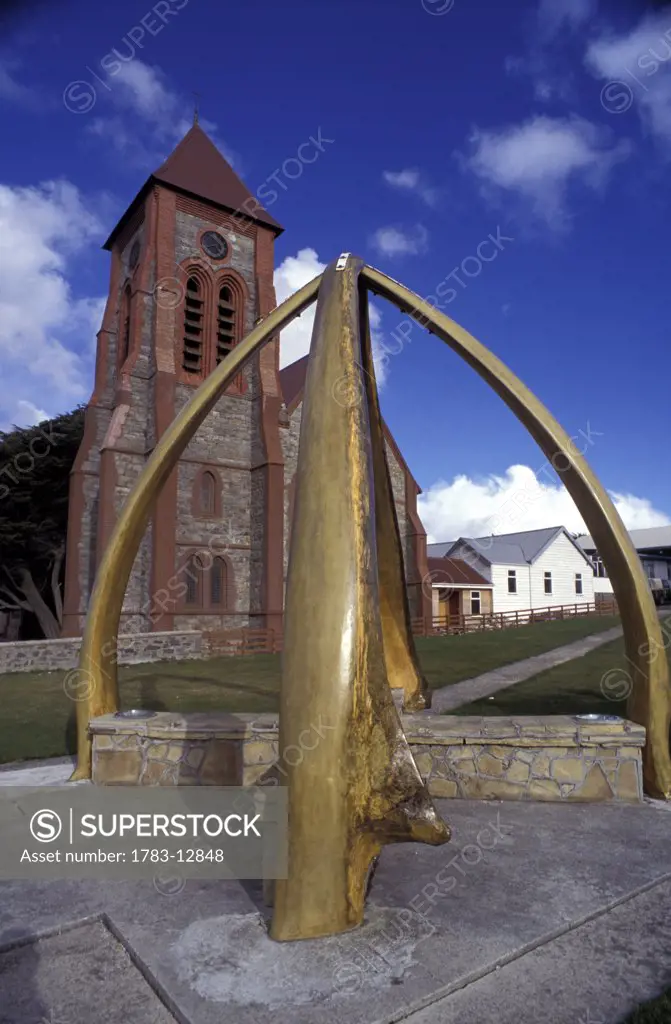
(191, 272)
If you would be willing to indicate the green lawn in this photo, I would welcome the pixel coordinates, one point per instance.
(657, 1011)
(573, 688)
(37, 719)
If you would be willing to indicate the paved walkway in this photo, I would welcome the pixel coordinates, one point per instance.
(450, 697)
(52, 772)
(532, 912)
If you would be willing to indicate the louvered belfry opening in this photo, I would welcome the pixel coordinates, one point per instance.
(192, 359)
(225, 323)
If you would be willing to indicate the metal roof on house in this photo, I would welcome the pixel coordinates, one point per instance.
(521, 548)
(643, 540)
(453, 572)
(439, 550)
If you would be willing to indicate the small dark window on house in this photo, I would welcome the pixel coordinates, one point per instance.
(192, 355)
(547, 582)
(125, 327)
(226, 324)
(218, 583)
(207, 494)
(578, 583)
(193, 574)
(599, 567)
(475, 602)
(512, 581)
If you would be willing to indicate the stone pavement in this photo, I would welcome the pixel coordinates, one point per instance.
(533, 912)
(450, 697)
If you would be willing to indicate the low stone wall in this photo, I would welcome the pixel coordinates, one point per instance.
(553, 757)
(133, 648)
(550, 758)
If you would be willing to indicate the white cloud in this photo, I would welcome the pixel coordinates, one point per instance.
(410, 180)
(518, 500)
(402, 179)
(47, 337)
(552, 79)
(151, 116)
(554, 29)
(637, 70)
(393, 241)
(10, 88)
(30, 414)
(292, 274)
(539, 159)
(557, 15)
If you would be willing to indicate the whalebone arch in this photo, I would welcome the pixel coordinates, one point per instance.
(380, 803)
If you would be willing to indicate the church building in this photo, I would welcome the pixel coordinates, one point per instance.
(192, 262)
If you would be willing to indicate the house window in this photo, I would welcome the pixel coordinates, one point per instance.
(512, 581)
(194, 572)
(599, 567)
(218, 580)
(547, 582)
(578, 583)
(650, 569)
(226, 325)
(207, 494)
(125, 327)
(475, 602)
(192, 356)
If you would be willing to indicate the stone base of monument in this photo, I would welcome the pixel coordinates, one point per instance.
(541, 758)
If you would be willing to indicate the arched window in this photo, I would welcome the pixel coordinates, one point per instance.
(226, 322)
(124, 327)
(208, 494)
(194, 573)
(192, 358)
(219, 583)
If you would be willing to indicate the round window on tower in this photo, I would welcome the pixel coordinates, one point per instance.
(214, 245)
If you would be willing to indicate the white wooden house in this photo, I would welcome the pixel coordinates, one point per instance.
(529, 570)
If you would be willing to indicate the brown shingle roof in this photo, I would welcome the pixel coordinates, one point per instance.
(453, 572)
(292, 383)
(197, 168)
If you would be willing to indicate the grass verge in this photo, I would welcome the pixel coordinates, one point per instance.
(599, 683)
(37, 719)
(657, 1011)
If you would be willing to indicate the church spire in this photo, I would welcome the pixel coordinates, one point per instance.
(195, 108)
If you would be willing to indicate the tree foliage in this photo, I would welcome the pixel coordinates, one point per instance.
(35, 464)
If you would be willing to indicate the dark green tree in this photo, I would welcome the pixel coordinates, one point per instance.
(35, 464)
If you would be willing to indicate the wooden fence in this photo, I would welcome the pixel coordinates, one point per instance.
(219, 643)
(458, 624)
(222, 643)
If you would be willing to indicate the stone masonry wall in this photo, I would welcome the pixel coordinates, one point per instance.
(222, 444)
(289, 439)
(137, 434)
(134, 649)
(553, 758)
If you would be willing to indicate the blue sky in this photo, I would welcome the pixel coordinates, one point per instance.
(444, 123)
